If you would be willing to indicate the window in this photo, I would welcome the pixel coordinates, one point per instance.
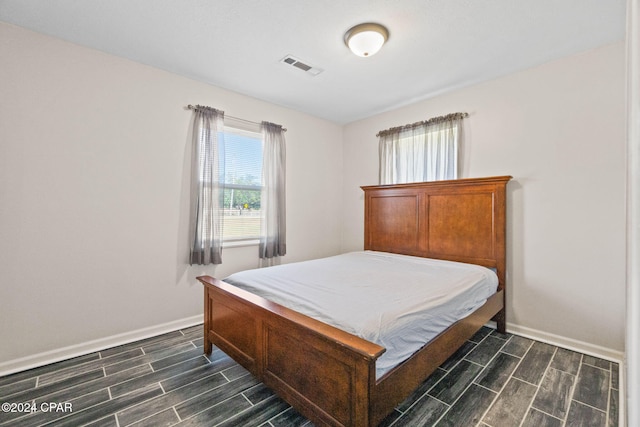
(244, 201)
(425, 151)
(242, 178)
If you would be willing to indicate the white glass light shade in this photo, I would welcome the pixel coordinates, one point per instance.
(366, 39)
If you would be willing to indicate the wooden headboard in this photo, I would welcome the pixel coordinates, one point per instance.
(458, 220)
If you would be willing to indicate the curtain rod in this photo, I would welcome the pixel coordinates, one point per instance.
(193, 107)
(439, 119)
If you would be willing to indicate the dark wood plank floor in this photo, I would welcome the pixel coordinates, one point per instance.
(493, 380)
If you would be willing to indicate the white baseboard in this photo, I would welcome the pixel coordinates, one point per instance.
(568, 343)
(622, 400)
(52, 356)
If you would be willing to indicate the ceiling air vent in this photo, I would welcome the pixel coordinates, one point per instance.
(295, 62)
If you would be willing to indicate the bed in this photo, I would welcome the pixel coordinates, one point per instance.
(328, 374)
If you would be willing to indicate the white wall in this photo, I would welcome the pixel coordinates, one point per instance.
(94, 195)
(559, 130)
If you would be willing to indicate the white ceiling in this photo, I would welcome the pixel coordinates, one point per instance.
(434, 45)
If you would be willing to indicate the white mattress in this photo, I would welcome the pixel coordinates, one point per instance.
(399, 302)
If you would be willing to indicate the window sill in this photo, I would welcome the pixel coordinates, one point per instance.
(240, 243)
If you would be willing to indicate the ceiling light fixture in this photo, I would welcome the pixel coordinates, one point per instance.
(366, 39)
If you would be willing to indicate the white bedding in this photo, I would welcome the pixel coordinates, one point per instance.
(399, 302)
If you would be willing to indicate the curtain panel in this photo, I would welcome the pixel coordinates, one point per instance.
(425, 151)
(207, 168)
(273, 225)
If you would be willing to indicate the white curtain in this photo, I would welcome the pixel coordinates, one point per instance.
(426, 151)
(273, 226)
(207, 168)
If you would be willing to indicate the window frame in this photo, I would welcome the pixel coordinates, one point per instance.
(249, 130)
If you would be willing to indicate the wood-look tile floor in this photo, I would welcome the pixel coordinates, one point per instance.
(493, 380)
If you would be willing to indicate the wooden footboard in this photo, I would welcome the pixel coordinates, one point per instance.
(325, 373)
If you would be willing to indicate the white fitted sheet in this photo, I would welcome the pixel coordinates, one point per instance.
(397, 301)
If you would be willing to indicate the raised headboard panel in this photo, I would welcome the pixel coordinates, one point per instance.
(458, 220)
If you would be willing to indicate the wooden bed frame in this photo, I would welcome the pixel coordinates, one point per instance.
(329, 375)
